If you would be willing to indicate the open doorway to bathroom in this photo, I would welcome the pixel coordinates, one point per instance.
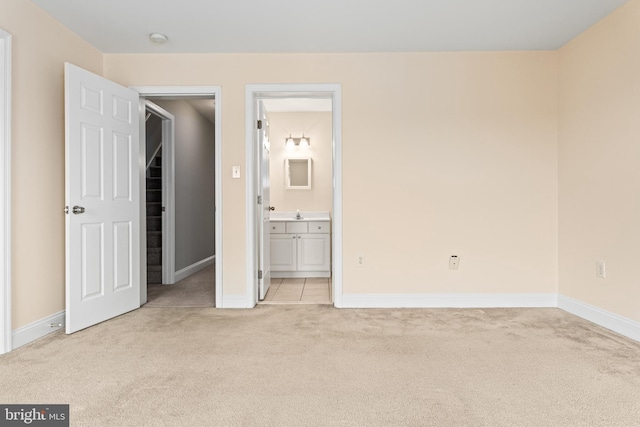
(301, 199)
(294, 210)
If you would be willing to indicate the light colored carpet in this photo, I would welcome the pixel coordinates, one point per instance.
(315, 365)
(197, 290)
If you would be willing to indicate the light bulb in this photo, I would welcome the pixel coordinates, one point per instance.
(304, 143)
(290, 143)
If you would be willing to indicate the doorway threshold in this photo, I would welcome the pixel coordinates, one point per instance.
(295, 302)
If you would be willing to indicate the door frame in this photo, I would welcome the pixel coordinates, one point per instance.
(214, 92)
(168, 192)
(254, 92)
(5, 192)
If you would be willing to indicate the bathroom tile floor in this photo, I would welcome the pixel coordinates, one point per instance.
(316, 290)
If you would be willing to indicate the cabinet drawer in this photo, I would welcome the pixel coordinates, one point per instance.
(277, 227)
(319, 227)
(297, 227)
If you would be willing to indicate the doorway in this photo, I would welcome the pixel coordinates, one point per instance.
(300, 178)
(257, 245)
(160, 96)
(180, 203)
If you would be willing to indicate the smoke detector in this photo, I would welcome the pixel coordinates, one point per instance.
(158, 38)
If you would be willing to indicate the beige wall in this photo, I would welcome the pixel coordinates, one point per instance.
(443, 153)
(41, 45)
(317, 127)
(599, 179)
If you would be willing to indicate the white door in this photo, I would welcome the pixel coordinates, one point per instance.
(265, 206)
(102, 196)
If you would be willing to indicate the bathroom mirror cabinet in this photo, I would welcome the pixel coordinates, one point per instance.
(298, 173)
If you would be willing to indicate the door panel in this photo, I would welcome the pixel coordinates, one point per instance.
(314, 252)
(122, 255)
(92, 250)
(265, 207)
(283, 252)
(102, 196)
(92, 160)
(122, 166)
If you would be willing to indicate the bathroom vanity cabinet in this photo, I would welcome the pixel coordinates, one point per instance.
(300, 248)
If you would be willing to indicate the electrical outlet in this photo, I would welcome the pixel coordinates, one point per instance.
(453, 262)
(601, 271)
(360, 261)
(235, 172)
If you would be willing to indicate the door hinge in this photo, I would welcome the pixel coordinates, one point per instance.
(259, 274)
(259, 200)
(259, 124)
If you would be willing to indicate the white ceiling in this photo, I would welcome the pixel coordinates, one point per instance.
(123, 26)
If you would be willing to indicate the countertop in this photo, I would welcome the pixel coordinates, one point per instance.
(306, 216)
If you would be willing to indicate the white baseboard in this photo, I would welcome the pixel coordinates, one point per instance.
(194, 268)
(38, 329)
(448, 300)
(627, 327)
(235, 301)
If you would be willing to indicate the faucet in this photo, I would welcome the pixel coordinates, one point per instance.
(298, 214)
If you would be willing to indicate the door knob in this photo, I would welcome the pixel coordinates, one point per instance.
(272, 208)
(77, 210)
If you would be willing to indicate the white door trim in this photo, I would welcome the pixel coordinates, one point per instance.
(214, 92)
(252, 92)
(168, 193)
(5, 192)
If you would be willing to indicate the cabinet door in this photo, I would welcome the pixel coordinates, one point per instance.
(314, 252)
(283, 252)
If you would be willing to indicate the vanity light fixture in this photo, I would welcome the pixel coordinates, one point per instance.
(158, 38)
(303, 142)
